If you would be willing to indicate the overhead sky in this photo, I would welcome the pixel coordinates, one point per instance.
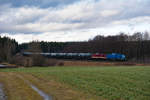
(71, 20)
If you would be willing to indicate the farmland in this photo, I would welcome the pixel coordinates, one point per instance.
(78, 83)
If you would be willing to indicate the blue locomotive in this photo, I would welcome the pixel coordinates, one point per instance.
(116, 56)
(113, 56)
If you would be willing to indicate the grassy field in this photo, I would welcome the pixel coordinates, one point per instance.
(78, 83)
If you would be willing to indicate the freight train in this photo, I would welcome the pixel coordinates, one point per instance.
(86, 56)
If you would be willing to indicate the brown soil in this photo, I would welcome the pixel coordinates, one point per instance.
(101, 63)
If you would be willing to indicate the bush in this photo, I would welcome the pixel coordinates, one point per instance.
(38, 60)
(51, 62)
(61, 64)
(28, 62)
(18, 60)
(34, 60)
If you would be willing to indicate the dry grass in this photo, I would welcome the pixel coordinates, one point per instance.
(16, 89)
(100, 63)
(90, 63)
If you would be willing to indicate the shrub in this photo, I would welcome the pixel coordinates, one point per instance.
(61, 64)
(34, 60)
(38, 60)
(51, 62)
(18, 60)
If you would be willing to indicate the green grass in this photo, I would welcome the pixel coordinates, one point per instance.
(110, 83)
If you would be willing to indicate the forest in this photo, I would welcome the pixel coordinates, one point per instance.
(136, 47)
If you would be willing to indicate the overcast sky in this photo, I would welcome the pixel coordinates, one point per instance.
(71, 20)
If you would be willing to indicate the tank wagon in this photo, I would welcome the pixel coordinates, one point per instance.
(97, 56)
(62, 55)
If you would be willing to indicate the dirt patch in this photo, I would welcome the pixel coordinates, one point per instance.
(57, 90)
(40, 92)
(90, 63)
(101, 63)
(16, 89)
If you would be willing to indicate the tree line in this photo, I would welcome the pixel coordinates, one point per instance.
(8, 48)
(136, 46)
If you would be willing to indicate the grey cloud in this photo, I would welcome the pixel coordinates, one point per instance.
(39, 3)
(85, 14)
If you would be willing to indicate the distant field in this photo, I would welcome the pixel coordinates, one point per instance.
(79, 83)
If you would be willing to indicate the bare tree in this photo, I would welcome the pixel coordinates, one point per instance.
(35, 48)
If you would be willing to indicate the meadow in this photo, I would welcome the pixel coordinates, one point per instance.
(79, 83)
